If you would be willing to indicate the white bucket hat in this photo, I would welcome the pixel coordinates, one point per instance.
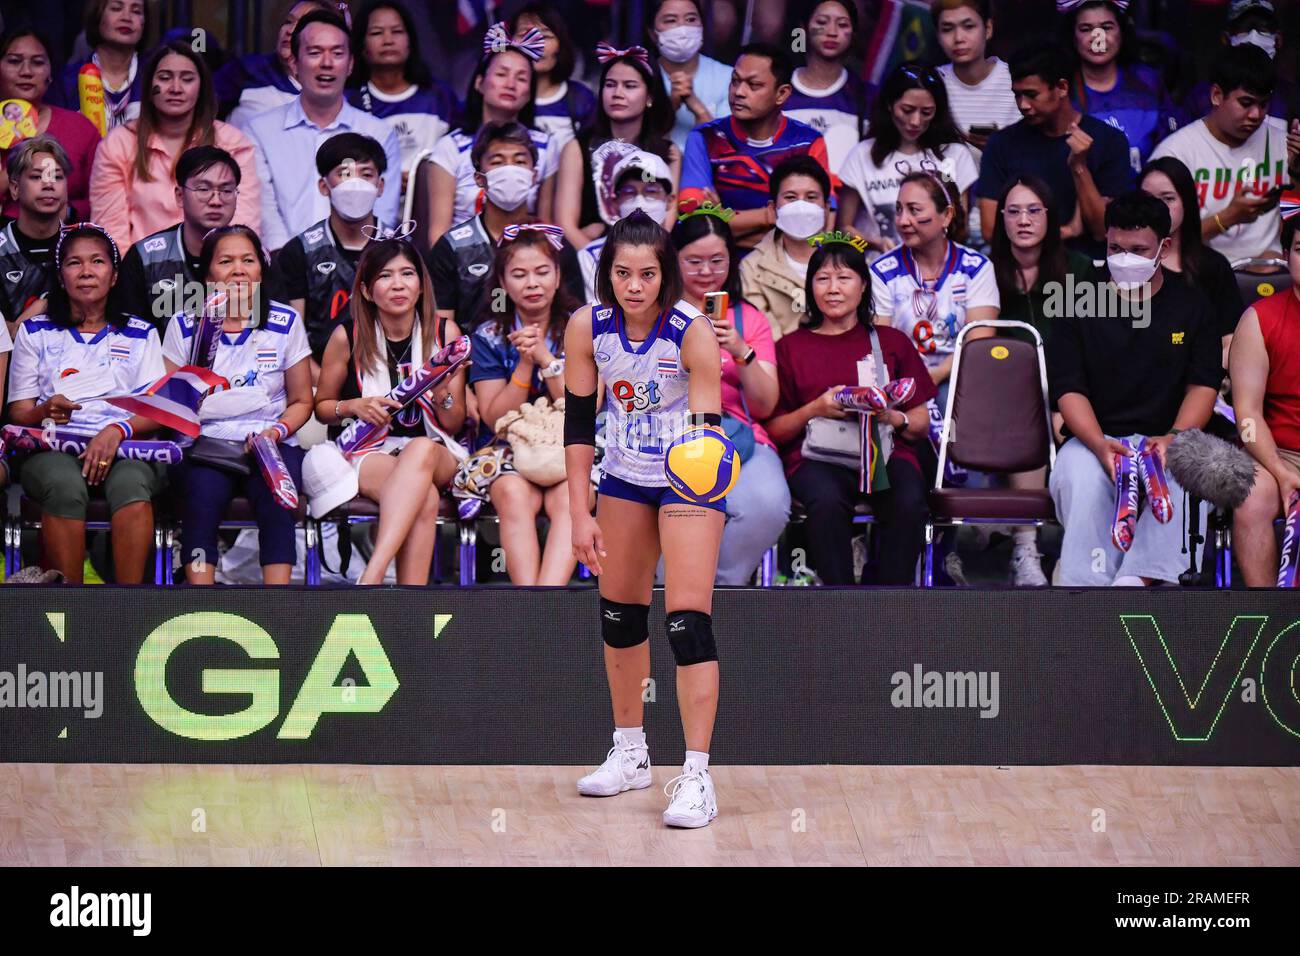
(327, 478)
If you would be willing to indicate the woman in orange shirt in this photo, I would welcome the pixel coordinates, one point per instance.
(132, 190)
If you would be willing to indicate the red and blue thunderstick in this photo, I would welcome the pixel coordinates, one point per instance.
(361, 434)
(874, 398)
(1286, 571)
(1127, 501)
(21, 438)
(1154, 483)
(274, 472)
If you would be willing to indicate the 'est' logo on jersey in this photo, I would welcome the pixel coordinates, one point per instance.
(638, 397)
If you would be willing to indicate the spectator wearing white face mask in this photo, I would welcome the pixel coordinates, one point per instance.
(697, 84)
(773, 276)
(1249, 21)
(632, 113)
(315, 270)
(504, 157)
(639, 180)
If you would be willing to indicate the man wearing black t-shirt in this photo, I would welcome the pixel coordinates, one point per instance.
(1083, 160)
(38, 170)
(1147, 366)
(461, 260)
(314, 271)
(160, 273)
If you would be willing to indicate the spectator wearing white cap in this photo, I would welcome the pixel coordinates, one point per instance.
(632, 113)
(639, 180)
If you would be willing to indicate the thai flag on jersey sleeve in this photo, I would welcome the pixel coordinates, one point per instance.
(173, 401)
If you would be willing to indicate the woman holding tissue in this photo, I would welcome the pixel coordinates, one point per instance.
(394, 331)
(63, 362)
(841, 347)
(263, 352)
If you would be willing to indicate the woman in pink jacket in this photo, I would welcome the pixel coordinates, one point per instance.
(132, 189)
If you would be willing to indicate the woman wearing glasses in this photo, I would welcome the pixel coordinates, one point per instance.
(913, 132)
(132, 193)
(759, 505)
(1031, 262)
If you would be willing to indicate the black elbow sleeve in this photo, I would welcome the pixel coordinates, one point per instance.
(579, 419)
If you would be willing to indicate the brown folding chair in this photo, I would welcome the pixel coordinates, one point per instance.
(998, 421)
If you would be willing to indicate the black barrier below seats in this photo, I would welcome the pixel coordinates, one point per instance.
(472, 676)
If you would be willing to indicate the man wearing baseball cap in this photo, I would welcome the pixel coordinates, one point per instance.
(1249, 21)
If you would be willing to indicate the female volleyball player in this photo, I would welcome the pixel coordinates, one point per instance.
(659, 360)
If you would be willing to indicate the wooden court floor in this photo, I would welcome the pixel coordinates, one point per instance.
(310, 815)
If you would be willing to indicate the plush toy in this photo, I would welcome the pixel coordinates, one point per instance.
(535, 432)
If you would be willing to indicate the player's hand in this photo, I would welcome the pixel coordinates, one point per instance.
(98, 457)
(375, 409)
(588, 542)
(825, 405)
(1107, 451)
(59, 410)
(1079, 143)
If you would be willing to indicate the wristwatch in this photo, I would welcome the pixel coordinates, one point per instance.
(554, 369)
(748, 358)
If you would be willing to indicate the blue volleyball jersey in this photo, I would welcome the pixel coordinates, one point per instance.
(718, 157)
(1138, 106)
(646, 390)
(420, 116)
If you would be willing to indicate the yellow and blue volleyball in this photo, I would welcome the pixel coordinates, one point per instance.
(701, 465)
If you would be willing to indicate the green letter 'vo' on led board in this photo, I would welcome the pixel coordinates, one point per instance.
(263, 685)
(319, 694)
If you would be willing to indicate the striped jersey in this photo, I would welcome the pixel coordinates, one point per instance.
(646, 390)
(719, 157)
(255, 357)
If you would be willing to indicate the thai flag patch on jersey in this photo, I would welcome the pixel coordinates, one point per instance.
(119, 353)
(667, 366)
(266, 359)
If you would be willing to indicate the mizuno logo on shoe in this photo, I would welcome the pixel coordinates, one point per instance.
(643, 765)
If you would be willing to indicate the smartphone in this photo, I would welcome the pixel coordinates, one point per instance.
(983, 129)
(716, 305)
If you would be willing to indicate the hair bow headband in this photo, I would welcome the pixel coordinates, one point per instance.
(63, 239)
(554, 234)
(378, 233)
(1065, 6)
(497, 40)
(606, 52)
(1289, 206)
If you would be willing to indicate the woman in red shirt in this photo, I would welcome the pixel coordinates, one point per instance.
(833, 350)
